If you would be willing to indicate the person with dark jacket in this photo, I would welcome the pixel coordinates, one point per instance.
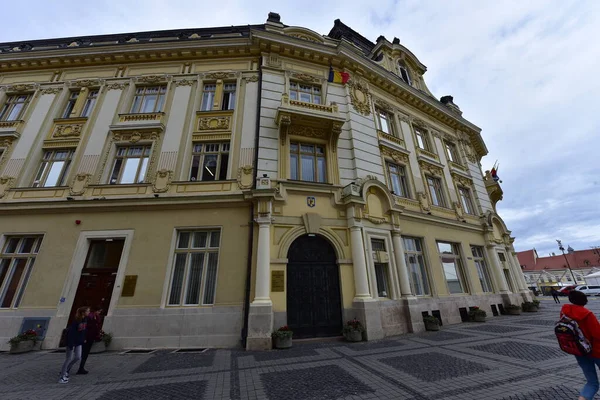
(75, 339)
(555, 295)
(588, 323)
(92, 333)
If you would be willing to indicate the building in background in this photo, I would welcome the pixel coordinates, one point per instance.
(206, 186)
(542, 273)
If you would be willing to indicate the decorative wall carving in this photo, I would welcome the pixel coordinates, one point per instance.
(79, 184)
(274, 61)
(303, 37)
(214, 123)
(396, 155)
(6, 182)
(360, 97)
(462, 180)
(384, 105)
(184, 82)
(438, 134)
(307, 131)
(117, 86)
(67, 130)
(458, 210)
(54, 90)
(22, 87)
(305, 78)
(219, 75)
(430, 168)
(251, 78)
(424, 202)
(87, 83)
(153, 78)
(162, 181)
(134, 137)
(245, 177)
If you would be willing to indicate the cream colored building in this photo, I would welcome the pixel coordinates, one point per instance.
(206, 186)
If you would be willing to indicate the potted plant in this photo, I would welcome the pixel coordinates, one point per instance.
(102, 343)
(536, 302)
(529, 306)
(513, 309)
(431, 323)
(23, 342)
(353, 331)
(477, 314)
(282, 338)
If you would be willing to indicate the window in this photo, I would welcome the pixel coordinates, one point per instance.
(209, 162)
(482, 270)
(307, 162)
(194, 277)
(54, 168)
(16, 262)
(435, 191)
(398, 180)
(381, 268)
(385, 121)
(422, 139)
(149, 99)
(14, 107)
(417, 273)
(502, 257)
(452, 266)
(451, 152)
(130, 164)
(466, 201)
(70, 104)
(404, 74)
(208, 96)
(90, 101)
(305, 93)
(228, 102)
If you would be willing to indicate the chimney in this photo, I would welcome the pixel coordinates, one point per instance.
(274, 20)
(448, 101)
(396, 41)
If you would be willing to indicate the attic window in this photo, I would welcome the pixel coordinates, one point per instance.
(404, 74)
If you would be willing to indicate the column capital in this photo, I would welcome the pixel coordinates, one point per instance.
(396, 232)
(263, 220)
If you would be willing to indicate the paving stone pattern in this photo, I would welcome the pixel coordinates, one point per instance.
(505, 358)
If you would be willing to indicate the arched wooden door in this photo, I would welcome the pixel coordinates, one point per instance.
(314, 306)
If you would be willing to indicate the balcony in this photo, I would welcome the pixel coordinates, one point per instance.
(427, 154)
(65, 132)
(456, 167)
(493, 188)
(8, 127)
(140, 121)
(389, 139)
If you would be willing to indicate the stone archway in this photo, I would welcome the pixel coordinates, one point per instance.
(314, 301)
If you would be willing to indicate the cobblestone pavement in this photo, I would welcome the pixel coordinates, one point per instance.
(506, 358)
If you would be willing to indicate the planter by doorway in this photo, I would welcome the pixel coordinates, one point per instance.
(513, 311)
(431, 324)
(353, 336)
(98, 347)
(22, 347)
(479, 318)
(282, 342)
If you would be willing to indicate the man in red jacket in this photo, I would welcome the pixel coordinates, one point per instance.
(591, 330)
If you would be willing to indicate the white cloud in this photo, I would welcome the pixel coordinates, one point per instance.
(525, 72)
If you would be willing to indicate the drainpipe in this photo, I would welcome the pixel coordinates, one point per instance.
(251, 221)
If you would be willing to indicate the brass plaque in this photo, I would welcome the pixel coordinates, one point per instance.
(277, 281)
(129, 285)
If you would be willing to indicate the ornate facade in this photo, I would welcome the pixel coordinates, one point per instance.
(205, 186)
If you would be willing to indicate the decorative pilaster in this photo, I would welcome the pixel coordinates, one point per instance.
(501, 283)
(263, 261)
(361, 283)
(401, 264)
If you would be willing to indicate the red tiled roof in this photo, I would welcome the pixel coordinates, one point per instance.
(577, 260)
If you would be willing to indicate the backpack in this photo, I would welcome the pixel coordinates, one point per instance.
(570, 337)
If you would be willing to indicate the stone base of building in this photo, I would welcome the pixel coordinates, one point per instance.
(260, 327)
(369, 313)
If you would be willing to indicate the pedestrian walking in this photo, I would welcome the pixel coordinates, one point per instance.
(75, 340)
(589, 326)
(92, 334)
(555, 295)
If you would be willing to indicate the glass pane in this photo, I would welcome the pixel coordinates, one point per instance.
(445, 248)
(209, 167)
(4, 263)
(322, 169)
(13, 281)
(135, 106)
(27, 245)
(11, 246)
(294, 166)
(184, 240)
(199, 240)
(293, 95)
(384, 123)
(195, 168)
(211, 278)
(25, 280)
(54, 174)
(15, 112)
(381, 280)
(207, 101)
(38, 245)
(194, 279)
(114, 177)
(148, 103)
(223, 166)
(409, 244)
(161, 103)
(293, 147)
(307, 148)
(396, 185)
(214, 239)
(308, 168)
(142, 174)
(316, 99)
(177, 281)
(130, 170)
(451, 274)
(306, 97)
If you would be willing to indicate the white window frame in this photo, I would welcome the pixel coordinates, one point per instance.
(167, 288)
(461, 273)
(439, 191)
(90, 102)
(299, 89)
(424, 135)
(209, 91)
(388, 117)
(202, 155)
(46, 167)
(452, 152)
(483, 272)
(229, 96)
(466, 200)
(159, 104)
(385, 266)
(316, 156)
(424, 280)
(402, 178)
(404, 73)
(116, 157)
(9, 106)
(73, 96)
(10, 265)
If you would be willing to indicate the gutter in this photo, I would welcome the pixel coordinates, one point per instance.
(251, 220)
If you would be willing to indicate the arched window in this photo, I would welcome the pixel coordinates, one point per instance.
(403, 72)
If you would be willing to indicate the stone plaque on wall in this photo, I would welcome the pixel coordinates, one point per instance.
(129, 285)
(277, 281)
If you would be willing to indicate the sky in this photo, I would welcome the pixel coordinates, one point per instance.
(524, 72)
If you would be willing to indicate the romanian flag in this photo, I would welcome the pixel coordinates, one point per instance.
(494, 172)
(338, 76)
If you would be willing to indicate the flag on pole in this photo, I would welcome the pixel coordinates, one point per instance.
(338, 76)
(494, 171)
